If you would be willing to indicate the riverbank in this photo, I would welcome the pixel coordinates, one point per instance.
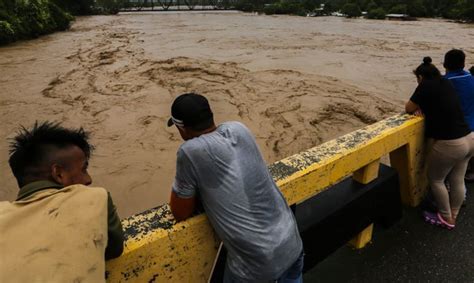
(30, 19)
(295, 81)
(20, 20)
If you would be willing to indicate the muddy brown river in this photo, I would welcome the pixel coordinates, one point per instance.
(294, 81)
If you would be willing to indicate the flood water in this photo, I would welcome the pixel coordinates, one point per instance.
(294, 81)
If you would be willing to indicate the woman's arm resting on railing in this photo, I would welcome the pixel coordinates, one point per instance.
(412, 108)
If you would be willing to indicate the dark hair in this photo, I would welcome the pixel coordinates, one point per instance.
(472, 70)
(454, 59)
(427, 70)
(31, 149)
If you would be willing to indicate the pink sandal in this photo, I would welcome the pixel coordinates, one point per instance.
(436, 219)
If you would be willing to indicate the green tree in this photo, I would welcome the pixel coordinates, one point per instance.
(59, 19)
(430, 7)
(361, 3)
(33, 16)
(249, 5)
(108, 6)
(377, 13)
(329, 7)
(467, 10)
(7, 34)
(293, 7)
(76, 7)
(417, 9)
(310, 5)
(22, 19)
(372, 6)
(399, 9)
(352, 10)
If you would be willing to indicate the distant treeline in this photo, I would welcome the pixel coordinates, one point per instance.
(22, 19)
(376, 9)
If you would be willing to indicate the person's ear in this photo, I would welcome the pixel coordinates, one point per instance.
(57, 173)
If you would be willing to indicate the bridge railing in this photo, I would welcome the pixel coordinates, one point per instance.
(158, 250)
(173, 5)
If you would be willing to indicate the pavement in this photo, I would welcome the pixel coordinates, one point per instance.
(409, 251)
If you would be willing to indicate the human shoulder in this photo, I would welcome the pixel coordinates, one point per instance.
(233, 126)
(236, 124)
(458, 74)
(5, 207)
(188, 147)
(419, 93)
(82, 189)
(433, 86)
(425, 90)
(191, 149)
(196, 145)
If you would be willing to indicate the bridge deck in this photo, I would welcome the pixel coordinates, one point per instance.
(410, 251)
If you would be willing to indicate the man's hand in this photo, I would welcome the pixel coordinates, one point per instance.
(182, 208)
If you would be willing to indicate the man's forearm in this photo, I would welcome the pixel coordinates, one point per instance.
(182, 208)
(115, 232)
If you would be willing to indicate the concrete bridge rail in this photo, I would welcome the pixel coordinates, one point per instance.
(160, 250)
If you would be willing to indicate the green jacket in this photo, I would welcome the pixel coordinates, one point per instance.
(115, 233)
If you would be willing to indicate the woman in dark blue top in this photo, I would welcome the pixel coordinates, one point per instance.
(452, 141)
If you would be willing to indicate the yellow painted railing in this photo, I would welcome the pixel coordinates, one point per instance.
(158, 250)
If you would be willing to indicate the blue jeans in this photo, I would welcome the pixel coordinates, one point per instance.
(294, 274)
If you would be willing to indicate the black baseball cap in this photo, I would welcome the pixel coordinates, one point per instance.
(190, 110)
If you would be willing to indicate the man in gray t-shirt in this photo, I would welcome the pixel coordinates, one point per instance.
(223, 166)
